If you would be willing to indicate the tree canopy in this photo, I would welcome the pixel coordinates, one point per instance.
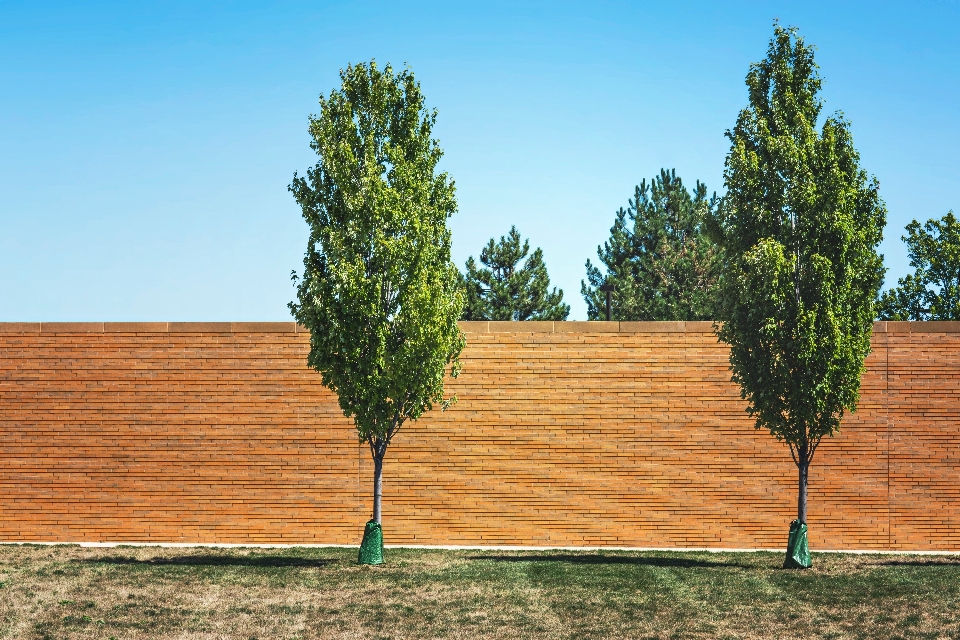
(512, 284)
(799, 227)
(932, 291)
(658, 258)
(379, 292)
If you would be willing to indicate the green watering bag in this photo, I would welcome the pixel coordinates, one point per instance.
(371, 549)
(798, 553)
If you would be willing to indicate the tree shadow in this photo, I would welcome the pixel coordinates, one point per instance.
(940, 562)
(217, 561)
(597, 559)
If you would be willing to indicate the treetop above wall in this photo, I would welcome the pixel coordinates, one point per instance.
(466, 327)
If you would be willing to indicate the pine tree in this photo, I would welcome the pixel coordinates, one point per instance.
(661, 263)
(506, 290)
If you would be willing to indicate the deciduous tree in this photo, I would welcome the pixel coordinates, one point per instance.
(661, 263)
(511, 285)
(379, 292)
(799, 226)
(932, 291)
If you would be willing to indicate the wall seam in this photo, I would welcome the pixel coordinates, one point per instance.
(886, 406)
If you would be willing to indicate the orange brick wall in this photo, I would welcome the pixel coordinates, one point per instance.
(565, 434)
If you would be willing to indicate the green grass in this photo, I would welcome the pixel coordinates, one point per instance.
(147, 592)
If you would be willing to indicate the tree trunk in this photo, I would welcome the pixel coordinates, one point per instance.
(377, 486)
(803, 467)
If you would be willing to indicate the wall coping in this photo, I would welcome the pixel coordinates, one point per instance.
(467, 327)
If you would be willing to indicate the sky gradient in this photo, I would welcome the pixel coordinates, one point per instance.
(145, 149)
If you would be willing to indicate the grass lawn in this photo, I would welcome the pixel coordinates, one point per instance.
(148, 592)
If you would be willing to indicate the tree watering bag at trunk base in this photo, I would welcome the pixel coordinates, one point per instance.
(798, 553)
(388, 360)
(371, 549)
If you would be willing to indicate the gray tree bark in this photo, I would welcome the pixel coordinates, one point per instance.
(377, 486)
(803, 467)
(378, 449)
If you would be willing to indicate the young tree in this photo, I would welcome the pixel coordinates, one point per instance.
(932, 291)
(799, 227)
(507, 290)
(661, 263)
(379, 292)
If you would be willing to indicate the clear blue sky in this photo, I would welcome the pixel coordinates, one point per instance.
(145, 150)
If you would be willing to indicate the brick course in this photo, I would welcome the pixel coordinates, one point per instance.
(565, 434)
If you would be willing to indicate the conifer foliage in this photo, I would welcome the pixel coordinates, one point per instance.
(661, 263)
(512, 284)
(799, 227)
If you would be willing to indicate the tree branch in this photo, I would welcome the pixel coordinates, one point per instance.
(813, 449)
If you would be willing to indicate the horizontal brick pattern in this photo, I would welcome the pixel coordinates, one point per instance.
(565, 434)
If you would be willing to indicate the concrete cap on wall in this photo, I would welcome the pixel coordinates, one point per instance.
(574, 326)
(151, 327)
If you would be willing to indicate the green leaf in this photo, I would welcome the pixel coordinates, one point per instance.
(378, 292)
(932, 291)
(799, 228)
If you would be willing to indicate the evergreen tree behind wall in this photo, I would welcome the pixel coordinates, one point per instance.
(659, 258)
(505, 289)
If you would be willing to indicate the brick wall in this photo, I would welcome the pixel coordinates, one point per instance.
(565, 434)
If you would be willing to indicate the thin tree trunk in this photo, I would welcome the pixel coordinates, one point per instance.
(377, 486)
(803, 467)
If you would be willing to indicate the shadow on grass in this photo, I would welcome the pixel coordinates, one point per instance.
(648, 561)
(941, 562)
(217, 561)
